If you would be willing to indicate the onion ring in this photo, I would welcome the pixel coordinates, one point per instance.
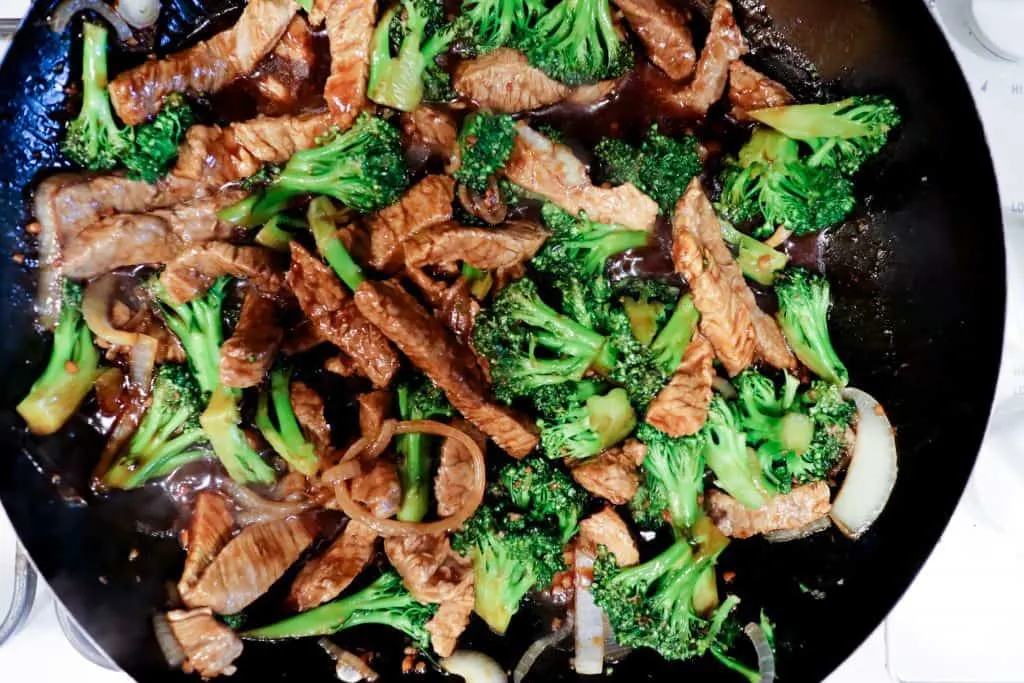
(66, 10)
(255, 508)
(391, 527)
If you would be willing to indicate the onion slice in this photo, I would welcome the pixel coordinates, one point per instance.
(69, 8)
(785, 535)
(871, 474)
(254, 508)
(765, 656)
(96, 305)
(139, 13)
(589, 654)
(538, 647)
(474, 667)
(348, 666)
(470, 502)
(169, 645)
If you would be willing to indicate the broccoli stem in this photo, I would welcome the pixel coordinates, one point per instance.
(221, 421)
(325, 234)
(128, 474)
(670, 344)
(736, 469)
(286, 438)
(414, 464)
(274, 235)
(758, 261)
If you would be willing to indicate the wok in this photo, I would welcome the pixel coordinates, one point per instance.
(919, 289)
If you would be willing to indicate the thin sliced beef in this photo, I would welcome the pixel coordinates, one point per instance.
(210, 647)
(593, 93)
(206, 67)
(309, 411)
(750, 89)
(349, 29)
(663, 28)
(250, 564)
(681, 407)
(455, 470)
(725, 44)
(159, 236)
(607, 528)
(325, 576)
(279, 77)
(429, 568)
(792, 510)
(503, 81)
(378, 489)
(430, 133)
(452, 616)
(374, 408)
(341, 365)
(331, 310)
(612, 475)
(195, 270)
(246, 357)
(450, 365)
(427, 203)
(483, 248)
(208, 532)
(551, 170)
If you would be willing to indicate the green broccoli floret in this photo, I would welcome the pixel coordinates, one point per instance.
(832, 416)
(575, 42)
(758, 261)
(671, 341)
(673, 476)
(581, 428)
(93, 139)
(362, 167)
(842, 134)
(320, 216)
(489, 24)
(544, 493)
(153, 146)
(280, 427)
(485, 144)
(511, 557)
(70, 372)
(648, 303)
(398, 68)
(803, 316)
(420, 399)
(166, 435)
(661, 166)
(385, 602)
(737, 469)
(637, 367)
(767, 414)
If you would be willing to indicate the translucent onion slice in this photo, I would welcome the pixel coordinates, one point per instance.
(765, 656)
(588, 658)
(809, 529)
(474, 667)
(538, 647)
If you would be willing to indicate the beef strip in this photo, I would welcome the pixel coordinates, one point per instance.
(290, 63)
(503, 81)
(325, 576)
(208, 532)
(246, 357)
(750, 89)
(379, 489)
(792, 510)
(595, 93)
(458, 310)
(430, 133)
(612, 475)
(374, 408)
(250, 564)
(330, 308)
(427, 203)
(429, 568)
(341, 365)
(452, 616)
(210, 647)
(194, 271)
(450, 365)
(483, 248)
(309, 411)
(455, 470)
(607, 528)
(699, 215)
(206, 67)
(139, 238)
(724, 45)
(663, 28)
(349, 29)
(681, 406)
(551, 170)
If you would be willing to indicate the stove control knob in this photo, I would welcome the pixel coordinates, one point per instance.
(999, 25)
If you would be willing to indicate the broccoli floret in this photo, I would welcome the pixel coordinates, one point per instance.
(93, 139)
(581, 428)
(222, 423)
(153, 146)
(489, 24)
(758, 261)
(842, 134)
(397, 72)
(803, 316)
(485, 144)
(281, 428)
(575, 42)
(832, 416)
(648, 303)
(670, 344)
(417, 400)
(511, 557)
(320, 216)
(166, 435)
(661, 166)
(637, 367)
(70, 373)
(545, 493)
(737, 470)
(385, 602)
(362, 167)
(673, 476)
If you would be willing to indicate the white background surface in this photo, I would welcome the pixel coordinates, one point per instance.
(960, 621)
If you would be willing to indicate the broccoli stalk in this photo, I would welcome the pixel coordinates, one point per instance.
(490, 24)
(282, 430)
(362, 167)
(673, 477)
(153, 146)
(93, 139)
(276, 233)
(485, 144)
(758, 261)
(670, 344)
(510, 558)
(767, 416)
(167, 433)
(70, 373)
(736, 469)
(576, 42)
(545, 493)
(221, 421)
(420, 400)
(661, 166)
(803, 316)
(320, 216)
(385, 602)
(583, 426)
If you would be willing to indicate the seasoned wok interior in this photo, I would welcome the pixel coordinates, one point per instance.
(493, 312)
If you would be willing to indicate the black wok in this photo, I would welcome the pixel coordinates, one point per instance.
(918, 284)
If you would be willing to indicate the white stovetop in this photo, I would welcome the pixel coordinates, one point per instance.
(959, 622)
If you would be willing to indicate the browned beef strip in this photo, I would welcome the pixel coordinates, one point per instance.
(458, 310)
(612, 474)
(279, 77)
(792, 510)
(483, 248)
(455, 470)
(663, 28)
(607, 528)
(750, 89)
(378, 489)
(430, 133)
(330, 309)
(374, 408)
(194, 270)
(246, 357)
(349, 29)
(429, 568)
(681, 406)
(309, 411)
(452, 617)
(206, 67)
(450, 365)
(210, 647)
(427, 203)
(503, 81)
(208, 532)
(325, 576)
